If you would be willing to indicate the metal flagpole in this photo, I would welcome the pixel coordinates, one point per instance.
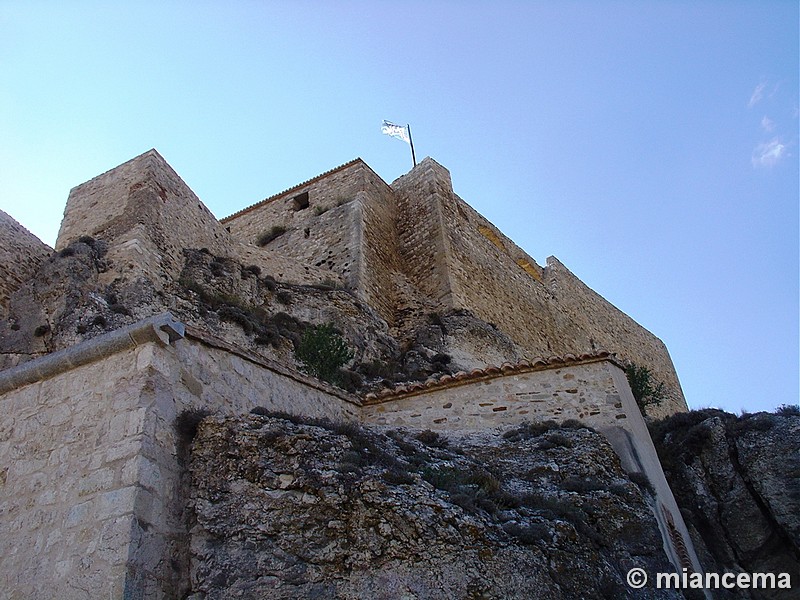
(411, 141)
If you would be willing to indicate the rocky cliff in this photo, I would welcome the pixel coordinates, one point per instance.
(737, 480)
(66, 300)
(295, 509)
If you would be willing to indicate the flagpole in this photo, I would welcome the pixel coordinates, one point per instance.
(411, 141)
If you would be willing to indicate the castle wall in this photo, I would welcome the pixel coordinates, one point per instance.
(586, 392)
(500, 284)
(380, 263)
(341, 223)
(21, 253)
(593, 392)
(148, 214)
(411, 248)
(610, 328)
(90, 474)
(424, 250)
(321, 220)
(73, 472)
(459, 258)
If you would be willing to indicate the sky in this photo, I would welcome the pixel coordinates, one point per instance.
(651, 146)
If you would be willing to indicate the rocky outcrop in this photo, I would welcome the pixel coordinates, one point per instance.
(288, 509)
(737, 480)
(65, 301)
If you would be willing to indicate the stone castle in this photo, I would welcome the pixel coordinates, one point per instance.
(151, 307)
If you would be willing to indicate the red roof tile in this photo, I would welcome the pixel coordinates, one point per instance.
(488, 372)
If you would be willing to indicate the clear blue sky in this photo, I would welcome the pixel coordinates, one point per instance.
(651, 146)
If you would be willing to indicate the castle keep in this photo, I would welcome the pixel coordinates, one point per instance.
(151, 307)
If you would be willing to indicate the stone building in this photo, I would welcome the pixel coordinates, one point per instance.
(105, 343)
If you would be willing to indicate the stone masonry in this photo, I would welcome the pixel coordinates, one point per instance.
(92, 489)
(419, 249)
(21, 253)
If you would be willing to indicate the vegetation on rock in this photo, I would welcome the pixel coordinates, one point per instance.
(275, 232)
(323, 351)
(646, 390)
(290, 507)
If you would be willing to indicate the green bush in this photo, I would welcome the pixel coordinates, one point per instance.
(646, 390)
(323, 352)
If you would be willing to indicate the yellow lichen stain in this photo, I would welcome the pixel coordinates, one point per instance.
(529, 268)
(490, 235)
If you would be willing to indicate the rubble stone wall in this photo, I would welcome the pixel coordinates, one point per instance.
(451, 248)
(595, 393)
(21, 253)
(90, 464)
(412, 247)
(316, 223)
(380, 263)
(149, 216)
(424, 251)
(609, 328)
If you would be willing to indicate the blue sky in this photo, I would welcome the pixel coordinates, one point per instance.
(651, 146)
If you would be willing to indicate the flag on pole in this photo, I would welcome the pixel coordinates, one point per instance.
(398, 131)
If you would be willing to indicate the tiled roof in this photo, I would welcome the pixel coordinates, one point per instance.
(490, 372)
(293, 188)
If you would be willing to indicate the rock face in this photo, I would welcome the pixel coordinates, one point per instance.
(288, 509)
(737, 480)
(66, 301)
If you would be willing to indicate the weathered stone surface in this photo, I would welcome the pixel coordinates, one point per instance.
(287, 510)
(737, 480)
(420, 286)
(21, 253)
(404, 252)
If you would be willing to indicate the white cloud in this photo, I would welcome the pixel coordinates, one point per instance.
(767, 124)
(757, 94)
(769, 153)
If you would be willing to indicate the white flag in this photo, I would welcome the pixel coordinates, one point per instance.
(398, 131)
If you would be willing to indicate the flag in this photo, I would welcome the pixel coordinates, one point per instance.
(397, 131)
